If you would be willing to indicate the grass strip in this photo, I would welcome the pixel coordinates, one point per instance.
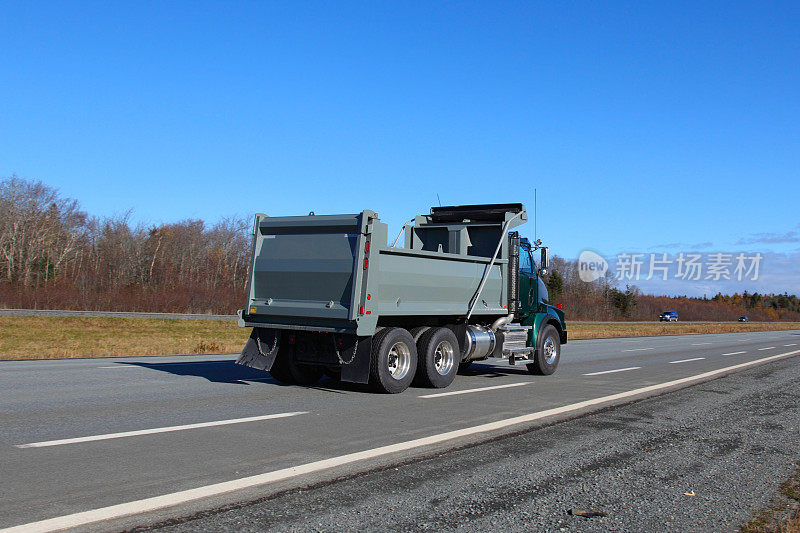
(51, 337)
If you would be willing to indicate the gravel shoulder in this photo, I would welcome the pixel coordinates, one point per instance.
(730, 442)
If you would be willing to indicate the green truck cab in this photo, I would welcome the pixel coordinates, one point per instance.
(328, 294)
(535, 310)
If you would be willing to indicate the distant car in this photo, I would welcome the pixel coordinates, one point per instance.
(668, 316)
(744, 319)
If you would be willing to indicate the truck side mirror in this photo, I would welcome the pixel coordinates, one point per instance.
(544, 263)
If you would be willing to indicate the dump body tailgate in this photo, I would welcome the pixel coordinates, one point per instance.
(305, 270)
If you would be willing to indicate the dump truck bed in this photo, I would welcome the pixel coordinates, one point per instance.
(337, 273)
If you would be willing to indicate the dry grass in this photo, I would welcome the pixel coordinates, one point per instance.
(47, 337)
(621, 329)
(783, 515)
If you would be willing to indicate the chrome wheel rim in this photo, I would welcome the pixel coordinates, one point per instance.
(550, 351)
(444, 358)
(399, 360)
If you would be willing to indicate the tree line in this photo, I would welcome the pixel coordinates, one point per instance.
(604, 300)
(54, 255)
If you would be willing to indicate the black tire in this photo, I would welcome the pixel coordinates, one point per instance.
(438, 358)
(393, 360)
(280, 367)
(417, 333)
(287, 370)
(334, 374)
(305, 375)
(548, 352)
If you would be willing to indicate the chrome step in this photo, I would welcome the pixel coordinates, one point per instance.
(515, 339)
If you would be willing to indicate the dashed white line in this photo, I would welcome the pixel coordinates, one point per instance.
(793, 344)
(733, 353)
(686, 360)
(175, 498)
(468, 391)
(638, 349)
(168, 429)
(767, 348)
(700, 343)
(613, 371)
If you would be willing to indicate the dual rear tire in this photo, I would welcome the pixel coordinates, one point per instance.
(426, 357)
(287, 370)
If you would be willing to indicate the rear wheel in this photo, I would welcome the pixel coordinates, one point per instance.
(548, 352)
(417, 332)
(439, 358)
(305, 375)
(393, 360)
(287, 370)
(280, 367)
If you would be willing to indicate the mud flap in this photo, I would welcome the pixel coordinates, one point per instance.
(261, 349)
(356, 370)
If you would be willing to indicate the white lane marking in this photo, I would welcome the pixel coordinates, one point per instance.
(700, 343)
(767, 348)
(120, 366)
(638, 349)
(168, 429)
(733, 353)
(793, 344)
(613, 371)
(467, 391)
(216, 489)
(686, 360)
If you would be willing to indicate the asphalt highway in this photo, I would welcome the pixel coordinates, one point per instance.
(118, 443)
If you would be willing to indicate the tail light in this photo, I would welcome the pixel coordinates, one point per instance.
(560, 306)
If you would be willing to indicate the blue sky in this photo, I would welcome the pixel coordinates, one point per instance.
(645, 127)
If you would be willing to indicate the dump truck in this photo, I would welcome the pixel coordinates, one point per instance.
(328, 295)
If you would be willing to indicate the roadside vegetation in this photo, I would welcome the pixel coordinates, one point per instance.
(588, 330)
(23, 337)
(51, 338)
(603, 300)
(53, 255)
(783, 515)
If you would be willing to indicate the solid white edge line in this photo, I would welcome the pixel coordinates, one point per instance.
(638, 349)
(216, 489)
(467, 391)
(168, 429)
(734, 353)
(613, 371)
(686, 360)
(767, 348)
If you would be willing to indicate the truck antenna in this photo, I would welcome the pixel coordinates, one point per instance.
(535, 205)
(438, 199)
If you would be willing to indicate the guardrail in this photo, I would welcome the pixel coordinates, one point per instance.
(113, 314)
(199, 316)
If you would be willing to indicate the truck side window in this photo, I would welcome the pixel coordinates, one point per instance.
(525, 262)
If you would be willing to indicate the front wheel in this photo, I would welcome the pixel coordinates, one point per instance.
(393, 360)
(548, 352)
